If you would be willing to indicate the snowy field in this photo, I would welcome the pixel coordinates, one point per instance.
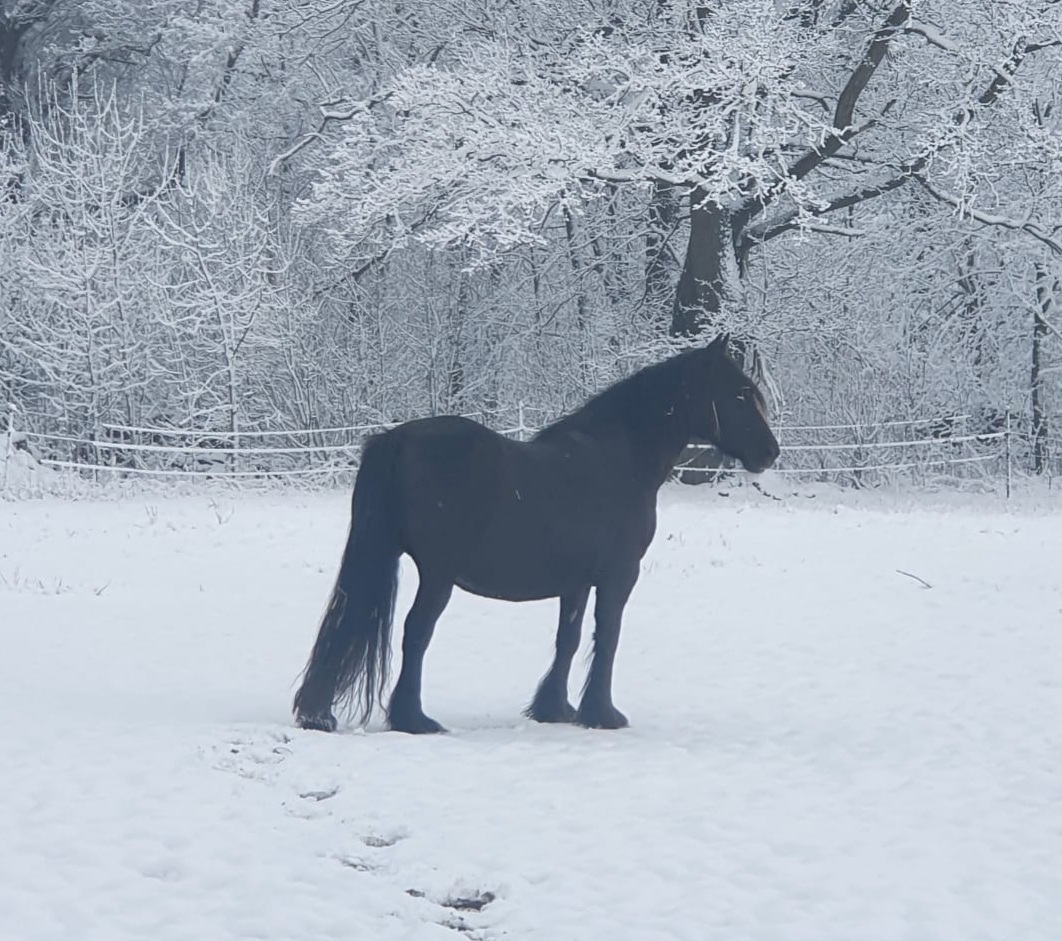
(822, 748)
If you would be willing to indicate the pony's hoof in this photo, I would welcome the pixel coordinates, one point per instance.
(601, 717)
(553, 712)
(319, 722)
(414, 724)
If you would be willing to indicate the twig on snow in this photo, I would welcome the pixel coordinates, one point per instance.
(921, 581)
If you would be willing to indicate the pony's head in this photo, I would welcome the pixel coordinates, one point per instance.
(726, 409)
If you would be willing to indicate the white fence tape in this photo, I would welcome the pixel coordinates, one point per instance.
(297, 432)
(106, 445)
(857, 426)
(245, 458)
(178, 472)
(812, 471)
(855, 446)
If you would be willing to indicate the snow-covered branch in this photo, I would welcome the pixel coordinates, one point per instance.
(966, 211)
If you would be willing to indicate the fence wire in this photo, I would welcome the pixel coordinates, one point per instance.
(854, 453)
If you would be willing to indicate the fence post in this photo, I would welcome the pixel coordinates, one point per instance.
(521, 434)
(1006, 439)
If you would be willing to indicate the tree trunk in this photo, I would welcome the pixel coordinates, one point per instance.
(12, 33)
(709, 273)
(1041, 314)
(459, 316)
(660, 259)
(972, 299)
(582, 309)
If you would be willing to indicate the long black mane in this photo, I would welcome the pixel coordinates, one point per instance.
(636, 400)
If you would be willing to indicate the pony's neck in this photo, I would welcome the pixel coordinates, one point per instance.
(658, 424)
(649, 410)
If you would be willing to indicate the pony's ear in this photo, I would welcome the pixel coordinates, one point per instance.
(720, 344)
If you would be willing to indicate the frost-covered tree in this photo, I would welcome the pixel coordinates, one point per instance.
(767, 120)
(323, 213)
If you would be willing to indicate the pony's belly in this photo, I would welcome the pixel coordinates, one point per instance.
(524, 576)
(502, 592)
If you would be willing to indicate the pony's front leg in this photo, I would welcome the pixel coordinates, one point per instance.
(596, 710)
(551, 698)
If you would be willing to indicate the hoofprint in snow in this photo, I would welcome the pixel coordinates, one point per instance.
(845, 725)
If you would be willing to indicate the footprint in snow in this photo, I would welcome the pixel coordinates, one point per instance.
(464, 902)
(381, 841)
(357, 864)
(474, 902)
(320, 795)
(252, 758)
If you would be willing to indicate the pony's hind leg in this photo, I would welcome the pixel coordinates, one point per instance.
(596, 709)
(551, 698)
(405, 713)
(316, 695)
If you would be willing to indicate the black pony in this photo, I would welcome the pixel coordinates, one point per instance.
(571, 510)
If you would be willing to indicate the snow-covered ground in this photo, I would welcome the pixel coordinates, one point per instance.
(822, 747)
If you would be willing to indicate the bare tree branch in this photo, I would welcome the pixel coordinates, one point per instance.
(986, 218)
(1002, 79)
(328, 117)
(849, 97)
(842, 128)
(770, 229)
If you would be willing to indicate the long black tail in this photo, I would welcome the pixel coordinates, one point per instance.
(351, 656)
